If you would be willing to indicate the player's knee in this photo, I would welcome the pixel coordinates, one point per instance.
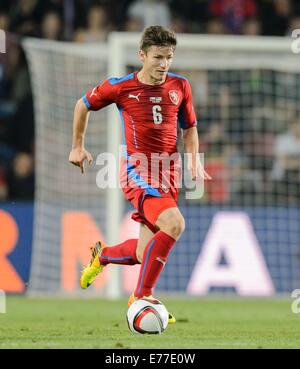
(178, 227)
(172, 224)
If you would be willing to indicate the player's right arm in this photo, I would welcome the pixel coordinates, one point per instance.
(96, 98)
(78, 153)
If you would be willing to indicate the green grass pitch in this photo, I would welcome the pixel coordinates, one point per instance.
(201, 323)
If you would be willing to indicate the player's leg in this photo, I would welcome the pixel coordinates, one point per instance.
(124, 253)
(145, 235)
(170, 223)
(129, 252)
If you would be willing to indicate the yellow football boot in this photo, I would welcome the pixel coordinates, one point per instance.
(94, 267)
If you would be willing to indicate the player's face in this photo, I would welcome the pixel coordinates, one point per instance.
(157, 61)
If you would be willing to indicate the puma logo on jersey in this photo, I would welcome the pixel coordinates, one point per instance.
(134, 96)
(93, 92)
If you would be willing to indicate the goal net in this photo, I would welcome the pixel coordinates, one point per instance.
(243, 235)
(69, 207)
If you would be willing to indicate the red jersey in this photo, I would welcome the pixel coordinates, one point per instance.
(149, 113)
(149, 116)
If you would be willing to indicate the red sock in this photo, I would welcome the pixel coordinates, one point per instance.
(154, 259)
(124, 253)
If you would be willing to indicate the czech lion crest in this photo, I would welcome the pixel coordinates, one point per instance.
(174, 97)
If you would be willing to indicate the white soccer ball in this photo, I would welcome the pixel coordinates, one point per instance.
(147, 316)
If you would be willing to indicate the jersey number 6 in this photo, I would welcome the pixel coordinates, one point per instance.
(157, 117)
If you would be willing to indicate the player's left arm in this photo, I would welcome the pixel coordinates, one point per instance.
(191, 145)
(188, 124)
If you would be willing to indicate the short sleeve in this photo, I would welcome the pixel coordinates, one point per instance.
(100, 96)
(186, 114)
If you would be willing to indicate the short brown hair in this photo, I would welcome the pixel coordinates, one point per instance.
(157, 36)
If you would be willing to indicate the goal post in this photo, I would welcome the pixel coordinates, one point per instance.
(246, 95)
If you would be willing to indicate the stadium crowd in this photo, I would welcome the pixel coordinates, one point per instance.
(90, 21)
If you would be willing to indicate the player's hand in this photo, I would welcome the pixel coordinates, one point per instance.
(196, 168)
(202, 172)
(78, 156)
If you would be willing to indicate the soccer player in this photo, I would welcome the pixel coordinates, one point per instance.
(151, 101)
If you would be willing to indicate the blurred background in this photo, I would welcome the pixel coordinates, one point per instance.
(249, 128)
(86, 21)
